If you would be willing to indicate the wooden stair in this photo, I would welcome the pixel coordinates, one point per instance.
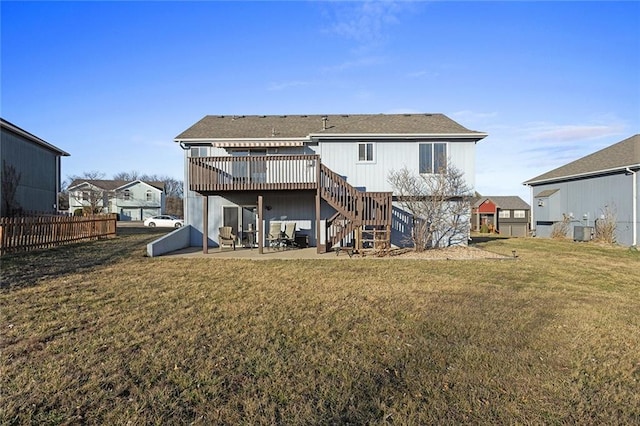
(354, 209)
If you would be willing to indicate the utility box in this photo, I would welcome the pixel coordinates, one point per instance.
(582, 233)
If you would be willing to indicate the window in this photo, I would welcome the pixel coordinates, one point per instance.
(85, 196)
(149, 195)
(433, 158)
(504, 214)
(365, 152)
(519, 214)
(199, 151)
(126, 195)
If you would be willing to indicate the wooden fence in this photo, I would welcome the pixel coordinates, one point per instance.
(31, 233)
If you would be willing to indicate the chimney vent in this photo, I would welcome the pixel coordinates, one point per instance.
(324, 122)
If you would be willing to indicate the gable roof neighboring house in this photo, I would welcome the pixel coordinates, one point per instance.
(133, 200)
(503, 202)
(615, 158)
(112, 185)
(31, 137)
(323, 126)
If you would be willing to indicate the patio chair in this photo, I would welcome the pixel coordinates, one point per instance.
(274, 237)
(289, 234)
(226, 237)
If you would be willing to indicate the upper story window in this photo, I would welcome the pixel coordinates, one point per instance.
(519, 214)
(126, 194)
(149, 195)
(365, 152)
(504, 214)
(199, 151)
(433, 158)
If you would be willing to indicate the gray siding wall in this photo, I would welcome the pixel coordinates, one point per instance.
(39, 169)
(585, 201)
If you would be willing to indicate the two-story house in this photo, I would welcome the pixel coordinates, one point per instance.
(134, 200)
(30, 174)
(326, 173)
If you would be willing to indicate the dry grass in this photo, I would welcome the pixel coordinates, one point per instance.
(552, 337)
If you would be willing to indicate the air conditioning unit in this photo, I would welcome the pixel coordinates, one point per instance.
(582, 233)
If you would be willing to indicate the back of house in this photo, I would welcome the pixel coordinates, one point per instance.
(328, 174)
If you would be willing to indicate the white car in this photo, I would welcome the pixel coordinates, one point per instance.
(164, 220)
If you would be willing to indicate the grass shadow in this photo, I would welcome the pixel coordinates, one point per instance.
(25, 269)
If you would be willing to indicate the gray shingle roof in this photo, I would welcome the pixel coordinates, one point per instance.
(504, 202)
(617, 156)
(300, 126)
(110, 185)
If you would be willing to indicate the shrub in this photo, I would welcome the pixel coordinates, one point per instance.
(561, 229)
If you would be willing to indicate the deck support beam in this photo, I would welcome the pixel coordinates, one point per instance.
(260, 225)
(205, 224)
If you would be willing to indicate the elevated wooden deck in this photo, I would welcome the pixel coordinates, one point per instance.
(354, 209)
(254, 173)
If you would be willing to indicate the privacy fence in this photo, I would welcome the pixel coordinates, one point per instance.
(36, 232)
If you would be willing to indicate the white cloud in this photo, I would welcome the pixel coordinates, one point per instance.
(365, 22)
(512, 154)
(422, 73)
(574, 132)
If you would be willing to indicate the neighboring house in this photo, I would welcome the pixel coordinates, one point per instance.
(326, 173)
(506, 215)
(30, 173)
(586, 190)
(135, 200)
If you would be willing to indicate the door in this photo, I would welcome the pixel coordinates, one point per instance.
(243, 221)
(249, 225)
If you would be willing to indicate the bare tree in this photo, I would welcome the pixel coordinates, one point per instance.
(560, 230)
(10, 181)
(606, 225)
(439, 203)
(128, 176)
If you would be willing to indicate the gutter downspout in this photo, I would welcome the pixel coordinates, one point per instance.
(635, 206)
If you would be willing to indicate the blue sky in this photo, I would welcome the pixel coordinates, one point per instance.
(113, 83)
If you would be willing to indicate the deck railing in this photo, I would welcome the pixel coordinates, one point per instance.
(272, 172)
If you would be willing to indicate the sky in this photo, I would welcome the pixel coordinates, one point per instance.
(113, 83)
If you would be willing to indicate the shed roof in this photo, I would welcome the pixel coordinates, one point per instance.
(301, 126)
(546, 193)
(31, 137)
(504, 202)
(618, 156)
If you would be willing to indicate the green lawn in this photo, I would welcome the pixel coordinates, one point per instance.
(99, 333)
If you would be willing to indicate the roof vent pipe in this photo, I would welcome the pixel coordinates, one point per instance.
(324, 122)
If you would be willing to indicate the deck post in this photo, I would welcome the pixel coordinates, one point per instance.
(205, 224)
(319, 246)
(260, 235)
